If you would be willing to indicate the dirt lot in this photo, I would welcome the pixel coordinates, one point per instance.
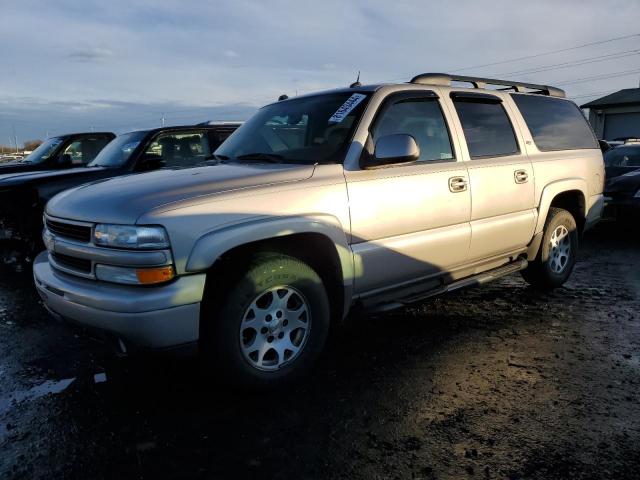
(494, 382)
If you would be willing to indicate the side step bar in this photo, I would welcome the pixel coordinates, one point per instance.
(474, 280)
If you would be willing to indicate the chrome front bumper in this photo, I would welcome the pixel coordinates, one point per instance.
(150, 317)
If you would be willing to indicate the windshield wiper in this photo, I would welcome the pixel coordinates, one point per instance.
(261, 157)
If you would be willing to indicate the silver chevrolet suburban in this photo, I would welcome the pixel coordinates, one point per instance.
(369, 197)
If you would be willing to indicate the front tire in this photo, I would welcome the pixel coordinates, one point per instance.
(556, 257)
(271, 323)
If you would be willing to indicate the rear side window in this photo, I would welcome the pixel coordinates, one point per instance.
(555, 124)
(487, 128)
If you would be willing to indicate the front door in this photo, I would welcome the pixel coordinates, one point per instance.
(410, 221)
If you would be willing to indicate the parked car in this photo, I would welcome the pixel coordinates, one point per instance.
(23, 195)
(10, 158)
(622, 187)
(369, 197)
(61, 152)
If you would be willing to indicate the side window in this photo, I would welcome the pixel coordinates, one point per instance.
(85, 150)
(180, 149)
(74, 151)
(555, 124)
(422, 119)
(622, 157)
(487, 128)
(217, 137)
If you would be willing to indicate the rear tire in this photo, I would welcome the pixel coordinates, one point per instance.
(270, 324)
(556, 257)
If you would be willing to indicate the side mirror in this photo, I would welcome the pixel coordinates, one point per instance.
(604, 146)
(150, 161)
(65, 160)
(394, 149)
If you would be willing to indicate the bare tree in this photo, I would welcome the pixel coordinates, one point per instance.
(31, 145)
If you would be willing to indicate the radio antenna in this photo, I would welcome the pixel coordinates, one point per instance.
(357, 82)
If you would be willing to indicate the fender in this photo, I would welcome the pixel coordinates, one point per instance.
(214, 244)
(549, 193)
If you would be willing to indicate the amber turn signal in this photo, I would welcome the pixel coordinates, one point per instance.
(149, 276)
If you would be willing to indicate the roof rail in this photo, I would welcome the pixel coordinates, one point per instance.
(445, 79)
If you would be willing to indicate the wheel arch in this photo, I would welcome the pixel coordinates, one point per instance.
(319, 241)
(570, 195)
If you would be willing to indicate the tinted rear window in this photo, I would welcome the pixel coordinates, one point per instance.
(487, 129)
(555, 124)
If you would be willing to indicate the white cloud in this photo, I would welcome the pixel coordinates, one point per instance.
(94, 54)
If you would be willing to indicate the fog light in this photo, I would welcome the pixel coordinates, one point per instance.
(135, 276)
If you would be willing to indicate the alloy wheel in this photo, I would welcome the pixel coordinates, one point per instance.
(275, 328)
(560, 249)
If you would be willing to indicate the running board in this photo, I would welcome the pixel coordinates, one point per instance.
(373, 306)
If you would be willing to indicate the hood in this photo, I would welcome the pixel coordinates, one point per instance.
(18, 166)
(19, 178)
(124, 199)
(627, 183)
(612, 171)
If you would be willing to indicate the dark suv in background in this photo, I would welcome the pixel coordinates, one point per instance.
(61, 152)
(24, 195)
(622, 188)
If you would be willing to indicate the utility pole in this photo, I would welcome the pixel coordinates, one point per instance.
(15, 137)
(163, 119)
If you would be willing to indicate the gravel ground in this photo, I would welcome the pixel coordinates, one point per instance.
(494, 382)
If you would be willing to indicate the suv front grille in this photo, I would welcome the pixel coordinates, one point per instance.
(70, 230)
(79, 264)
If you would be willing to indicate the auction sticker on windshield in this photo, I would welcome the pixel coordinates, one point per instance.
(352, 102)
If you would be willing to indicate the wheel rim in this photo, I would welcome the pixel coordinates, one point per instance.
(275, 328)
(560, 249)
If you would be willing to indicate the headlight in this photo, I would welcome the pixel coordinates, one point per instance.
(130, 236)
(135, 276)
(637, 195)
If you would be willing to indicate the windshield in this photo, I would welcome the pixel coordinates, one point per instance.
(118, 151)
(307, 130)
(622, 157)
(44, 151)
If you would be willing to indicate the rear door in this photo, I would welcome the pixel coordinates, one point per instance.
(500, 176)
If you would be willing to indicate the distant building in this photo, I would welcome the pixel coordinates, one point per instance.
(616, 116)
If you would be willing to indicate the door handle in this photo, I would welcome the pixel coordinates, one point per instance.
(457, 184)
(521, 176)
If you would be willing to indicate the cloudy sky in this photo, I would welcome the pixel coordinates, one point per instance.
(69, 65)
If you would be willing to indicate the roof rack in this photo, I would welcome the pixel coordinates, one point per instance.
(445, 79)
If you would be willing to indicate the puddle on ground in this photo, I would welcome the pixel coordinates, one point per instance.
(38, 391)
